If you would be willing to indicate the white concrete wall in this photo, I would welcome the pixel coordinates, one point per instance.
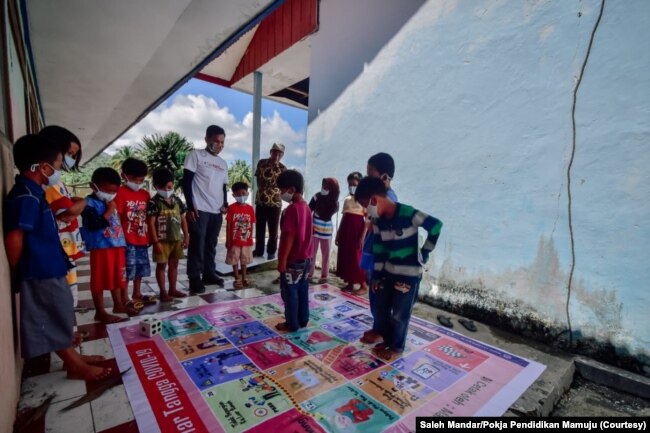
(473, 99)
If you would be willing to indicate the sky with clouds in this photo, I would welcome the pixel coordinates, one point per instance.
(198, 104)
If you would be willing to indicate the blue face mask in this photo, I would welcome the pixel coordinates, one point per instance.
(242, 199)
(69, 161)
(165, 194)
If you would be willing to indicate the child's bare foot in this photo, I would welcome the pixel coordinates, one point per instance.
(177, 294)
(347, 289)
(108, 318)
(385, 353)
(166, 298)
(89, 372)
(92, 359)
(371, 337)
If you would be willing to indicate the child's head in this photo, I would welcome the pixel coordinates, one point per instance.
(66, 142)
(382, 166)
(163, 181)
(215, 138)
(371, 193)
(240, 191)
(353, 181)
(105, 182)
(330, 188)
(36, 158)
(133, 172)
(290, 183)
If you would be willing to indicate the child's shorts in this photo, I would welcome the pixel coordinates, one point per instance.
(107, 269)
(170, 250)
(137, 262)
(46, 316)
(239, 255)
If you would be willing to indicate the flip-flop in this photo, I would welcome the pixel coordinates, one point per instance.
(468, 324)
(445, 321)
(146, 299)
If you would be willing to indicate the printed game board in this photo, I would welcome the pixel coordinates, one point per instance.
(224, 368)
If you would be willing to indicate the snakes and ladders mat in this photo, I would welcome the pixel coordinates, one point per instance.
(224, 368)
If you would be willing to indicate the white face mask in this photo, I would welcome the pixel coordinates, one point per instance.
(165, 194)
(54, 178)
(242, 198)
(286, 196)
(372, 211)
(134, 186)
(104, 196)
(352, 189)
(324, 191)
(69, 161)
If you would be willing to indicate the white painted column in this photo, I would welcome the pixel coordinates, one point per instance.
(257, 126)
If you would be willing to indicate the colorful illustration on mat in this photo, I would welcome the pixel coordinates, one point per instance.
(314, 340)
(349, 409)
(223, 368)
(184, 326)
(269, 353)
(216, 368)
(193, 345)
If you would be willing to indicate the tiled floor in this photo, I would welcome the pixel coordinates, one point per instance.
(110, 413)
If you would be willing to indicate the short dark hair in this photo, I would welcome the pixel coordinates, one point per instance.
(214, 130)
(162, 176)
(355, 175)
(369, 186)
(62, 137)
(134, 167)
(105, 175)
(31, 149)
(291, 178)
(239, 185)
(384, 163)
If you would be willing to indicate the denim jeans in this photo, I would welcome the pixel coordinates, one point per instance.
(393, 312)
(204, 234)
(294, 288)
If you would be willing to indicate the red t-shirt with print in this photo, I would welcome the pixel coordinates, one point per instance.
(132, 208)
(240, 219)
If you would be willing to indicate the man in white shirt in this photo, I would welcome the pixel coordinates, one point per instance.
(205, 182)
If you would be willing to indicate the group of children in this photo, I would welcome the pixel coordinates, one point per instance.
(378, 246)
(377, 240)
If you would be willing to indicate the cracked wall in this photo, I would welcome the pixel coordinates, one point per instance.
(474, 100)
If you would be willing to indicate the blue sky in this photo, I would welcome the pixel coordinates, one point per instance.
(198, 104)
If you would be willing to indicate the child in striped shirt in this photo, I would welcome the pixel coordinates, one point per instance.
(324, 205)
(397, 261)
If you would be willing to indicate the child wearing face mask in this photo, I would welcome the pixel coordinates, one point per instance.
(168, 230)
(104, 237)
(38, 264)
(324, 205)
(131, 203)
(239, 234)
(349, 240)
(398, 262)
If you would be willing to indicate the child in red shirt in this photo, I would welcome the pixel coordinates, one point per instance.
(131, 204)
(239, 228)
(294, 258)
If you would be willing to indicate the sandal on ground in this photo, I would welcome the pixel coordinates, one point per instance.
(445, 321)
(371, 337)
(238, 284)
(109, 319)
(246, 283)
(468, 324)
(146, 299)
(133, 307)
(385, 353)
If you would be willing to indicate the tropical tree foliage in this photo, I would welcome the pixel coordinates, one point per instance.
(240, 171)
(123, 154)
(166, 151)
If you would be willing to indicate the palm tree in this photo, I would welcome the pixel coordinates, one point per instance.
(240, 171)
(122, 155)
(166, 151)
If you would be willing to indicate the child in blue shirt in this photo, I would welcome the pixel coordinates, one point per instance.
(102, 232)
(38, 263)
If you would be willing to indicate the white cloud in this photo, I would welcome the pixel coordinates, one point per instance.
(189, 115)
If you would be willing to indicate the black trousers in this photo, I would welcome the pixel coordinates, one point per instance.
(204, 234)
(266, 216)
